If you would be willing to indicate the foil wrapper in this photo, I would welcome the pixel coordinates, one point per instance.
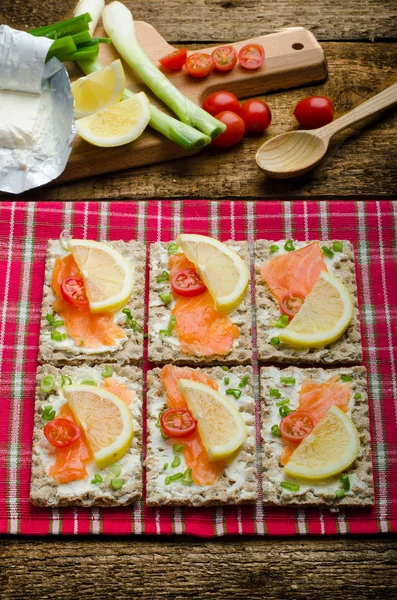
(34, 144)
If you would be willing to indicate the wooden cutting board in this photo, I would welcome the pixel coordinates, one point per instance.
(293, 57)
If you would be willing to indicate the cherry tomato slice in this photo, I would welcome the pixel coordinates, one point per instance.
(256, 115)
(221, 101)
(177, 422)
(314, 112)
(235, 129)
(296, 426)
(61, 432)
(187, 283)
(73, 291)
(199, 64)
(251, 56)
(175, 60)
(224, 57)
(291, 302)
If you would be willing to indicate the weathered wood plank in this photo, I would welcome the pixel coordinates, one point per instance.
(227, 20)
(176, 569)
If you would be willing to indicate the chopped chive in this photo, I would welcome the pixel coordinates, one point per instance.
(48, 413)
(187, 478)
(243, 382)
(66, 380)
(226, 380)
(275, 341)
(327, 251)
(47, 384)
(346, 378)
(178, 447)
(357, 396)
(114, 470)
(284, 411)
(281, 323)
(288, 380)
(135, 326)
(173, 248)
(224, 368)
(108, 372)
(275, 393)
(290, 487)
(58, 323)
(282, 402)
(164, 276)
(289, 246)
(165, 466)
(172, 478)
(117, 484)
(57, 336)
(50, 318)
(275, 429)
(340, 494)
(274, 248)
(345, 481)
(165, 297)
(235, 393)
(176, 462)
(88, 382)
(337, 246)
(97, 478)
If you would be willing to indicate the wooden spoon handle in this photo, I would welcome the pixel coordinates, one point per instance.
(379, 102)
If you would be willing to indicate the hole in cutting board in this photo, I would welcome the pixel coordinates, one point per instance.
(297, 46)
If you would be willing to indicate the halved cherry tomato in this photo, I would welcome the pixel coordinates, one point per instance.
(314, 112)
(187, 283)
(177, 422)
(251, 56)
(296, 426)
(290, 303)
(224, 57)
(175, 60)
(235, 129)
(199, 64)
(73, 291)
(256, 115)
(61, 432)
(221, 101)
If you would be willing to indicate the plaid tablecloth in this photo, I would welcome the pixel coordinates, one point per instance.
(24, 231)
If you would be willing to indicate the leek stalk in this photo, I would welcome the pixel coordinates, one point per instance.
(63, 28)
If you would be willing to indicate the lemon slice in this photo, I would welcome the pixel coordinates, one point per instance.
(116, 125)
(98, 90)
(221, 426)
(105, 419)
(224, 273)
(329, 449)
(324, 316)
(108, 278)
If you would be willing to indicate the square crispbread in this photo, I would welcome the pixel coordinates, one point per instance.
(360, 472)
(347, 350)
(167, 350)
(44, 491)
(132, 350)
(237, 485)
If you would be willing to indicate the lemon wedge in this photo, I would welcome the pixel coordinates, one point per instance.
(117, 124)
(98, 90)
(105, 419)
(222, 270)
(221, 426)
(108, 277)
(329, 449)
(324, 316)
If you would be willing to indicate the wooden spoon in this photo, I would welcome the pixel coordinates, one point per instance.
(296, 152)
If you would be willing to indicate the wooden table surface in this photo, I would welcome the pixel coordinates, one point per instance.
(360, 41)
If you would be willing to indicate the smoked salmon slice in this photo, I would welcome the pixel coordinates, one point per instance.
(119, 389)
(295, 271)
(204, 472)
(200, 328)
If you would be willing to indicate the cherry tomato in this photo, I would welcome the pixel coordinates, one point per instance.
(256, 115)
(251, 56)
(199, 64)
(187, 283)
(177, 422)
(61, 432)
(221, 101)
(296, 426)
(235, 129)
(313, 112)
(291, 302)
(175, 60)
(73, 291)
(224, 57)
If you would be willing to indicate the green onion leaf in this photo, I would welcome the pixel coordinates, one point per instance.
(235, 393)
(165, 297)
(114, 470)
(117, 484)
(48, 413)
(173, 248)
(163, 277)
(47, 384)
(66, 380)
(50, 318)
(108, 372)
(275, 341)
(275, 393)
(97, 478)
(357, 396)
(290, 487)
(187, 478)
(340, 494)
(281, 323)
(226, 380)
(88, 382)
(176, 462)
(172, 478)
(288, 380)
(345, 481)
(57, 336)
(327, 251)
(346, 378)
(243, 382)
(178, 447)
(283, 402)
(274, 248)
(337, 246)
(224, 368)
(165, 466)
(284, 411)
(275, 429)
(289, 246)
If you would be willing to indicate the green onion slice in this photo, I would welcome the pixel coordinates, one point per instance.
(274, 248)
(158, 419)
(47, 384)
(165, 466)
(50, 318)
(283, 402)
(173, 248)
(290, 487)
(108, 372)
(178, 447)
(275, 429)
(345, 481)
(117, 484)
(164, 276)
(58, 323)
(275, 341)
(172, 478)
(289, 246)
(243, 382)
(288, 380)
(187, 478)
(337, 246)
(357, 396)
(97, 478)
(346, 378)
(234, 392)
(327, 251)
(66, 380)
(88, 382)
(275, 393)
(114, 470)
(284, 411)
(57, 336)
(64, 239)
(176, 462)
(164, 333)
(165, 297)
(281, 323)
(224, 368)
(226, 380)
(48, 413)
(340, 494)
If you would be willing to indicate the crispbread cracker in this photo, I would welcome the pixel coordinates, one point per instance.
(237, 485)
(347, 350)
(132, 350)
(44, 491)
(167, 350)
(360, 472)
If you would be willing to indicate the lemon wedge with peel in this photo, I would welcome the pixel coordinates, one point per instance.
(329, 449)
(222, 270)
(324, 316)
(117, 124)
(108, 277)
(98, 90)
(221, 426)
(105, 419)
